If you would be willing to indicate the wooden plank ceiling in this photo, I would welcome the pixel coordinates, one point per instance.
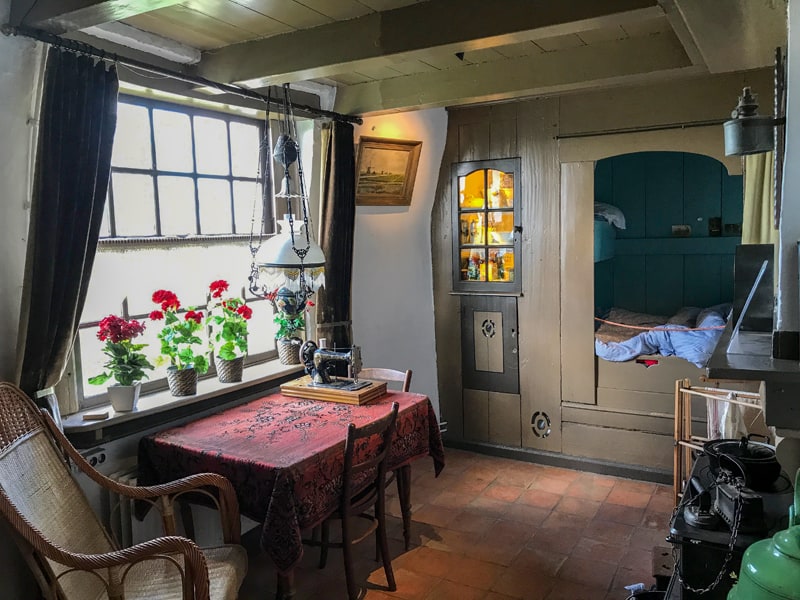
(387, 55)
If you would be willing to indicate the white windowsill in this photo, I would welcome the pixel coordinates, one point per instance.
(162, 401)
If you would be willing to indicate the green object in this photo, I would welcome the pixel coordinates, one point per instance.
(771, 568)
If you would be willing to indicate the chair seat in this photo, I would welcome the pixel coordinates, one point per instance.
(227, 567)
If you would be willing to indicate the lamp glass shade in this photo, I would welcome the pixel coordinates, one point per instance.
(280, 266)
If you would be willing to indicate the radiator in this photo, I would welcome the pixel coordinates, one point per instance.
(120, 509)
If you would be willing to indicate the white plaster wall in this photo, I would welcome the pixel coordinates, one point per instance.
(788, 302)
(19, 69)
(392, 269)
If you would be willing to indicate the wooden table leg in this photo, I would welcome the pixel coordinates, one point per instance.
(404, 494)
(286, 589)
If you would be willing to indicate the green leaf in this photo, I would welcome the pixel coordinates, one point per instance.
(99, 379)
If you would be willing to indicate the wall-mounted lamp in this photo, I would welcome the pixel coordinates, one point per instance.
(748, 132)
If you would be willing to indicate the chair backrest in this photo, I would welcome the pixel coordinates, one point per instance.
(366, 450)
(40, 499)
(404, 377)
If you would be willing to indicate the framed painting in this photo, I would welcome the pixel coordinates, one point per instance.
(385, 171)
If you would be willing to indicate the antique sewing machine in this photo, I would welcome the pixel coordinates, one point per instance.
(320, 362)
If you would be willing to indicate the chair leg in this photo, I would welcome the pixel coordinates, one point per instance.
(380, 514)
(323, 545)
(347, 550)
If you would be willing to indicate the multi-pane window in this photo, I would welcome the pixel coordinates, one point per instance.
(184, 191)
(180, 171)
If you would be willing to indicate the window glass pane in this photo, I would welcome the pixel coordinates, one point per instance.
(501, 189)
(173, 141)
(244, 149)
(215, 205)
(211, 145)
(176, 202)
(501, 264)
(471, 229)
(473, 264)
(105, 224)
(246, 196)
(500, 227)
(132, 138)
(471, 190)
(134, 205)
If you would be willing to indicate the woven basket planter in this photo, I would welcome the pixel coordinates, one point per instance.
(229, 371)
(182, 382)
(289, 351)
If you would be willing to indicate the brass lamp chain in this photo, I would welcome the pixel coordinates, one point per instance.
(264, 163)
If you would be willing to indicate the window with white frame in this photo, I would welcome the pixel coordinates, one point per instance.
(183, 198)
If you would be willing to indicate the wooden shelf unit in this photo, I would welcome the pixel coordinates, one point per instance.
(685, 442)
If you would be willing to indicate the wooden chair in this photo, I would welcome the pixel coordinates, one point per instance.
(388, 375)
(403, 474)
(71, 554)
(363, 488)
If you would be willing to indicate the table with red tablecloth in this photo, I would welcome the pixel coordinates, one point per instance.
(284, 457)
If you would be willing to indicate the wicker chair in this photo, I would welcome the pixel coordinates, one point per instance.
(71, 554)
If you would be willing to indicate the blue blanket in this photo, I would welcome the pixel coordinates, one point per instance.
(693, 344)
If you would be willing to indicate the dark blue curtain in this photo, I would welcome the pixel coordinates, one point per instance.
(73, 160)
(336, 239)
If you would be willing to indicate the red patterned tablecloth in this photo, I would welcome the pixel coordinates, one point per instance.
(284, 457)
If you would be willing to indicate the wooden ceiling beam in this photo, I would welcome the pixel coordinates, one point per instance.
(63, 16)
(459, 25)
(612, 63)
(733, 35)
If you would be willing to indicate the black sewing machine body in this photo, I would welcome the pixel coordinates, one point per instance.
(320, 362)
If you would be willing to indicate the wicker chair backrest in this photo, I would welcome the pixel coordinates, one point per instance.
(37, 486)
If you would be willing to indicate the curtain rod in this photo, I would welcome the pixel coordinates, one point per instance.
(83, 48)
(686, 125)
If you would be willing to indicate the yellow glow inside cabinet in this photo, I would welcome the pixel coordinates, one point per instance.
(486, 226)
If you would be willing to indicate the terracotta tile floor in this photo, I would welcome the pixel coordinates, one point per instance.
(495, 529)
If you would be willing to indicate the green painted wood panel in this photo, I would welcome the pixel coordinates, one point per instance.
(732, 205)
(629, 191)
(702, 277)
(654, 271)
(630, 289)
(702, 192)
(663, 190)
(664, 283)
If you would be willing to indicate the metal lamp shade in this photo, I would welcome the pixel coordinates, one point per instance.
(749, 135)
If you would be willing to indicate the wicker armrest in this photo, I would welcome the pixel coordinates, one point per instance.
(226, 500)
(196, 567)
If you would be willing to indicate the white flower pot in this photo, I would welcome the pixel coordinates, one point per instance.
(124, 397)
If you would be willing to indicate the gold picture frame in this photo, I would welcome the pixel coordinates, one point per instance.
(385, 171)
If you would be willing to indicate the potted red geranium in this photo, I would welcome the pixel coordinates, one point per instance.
(126, 362)
(179, 337)
(227, 319)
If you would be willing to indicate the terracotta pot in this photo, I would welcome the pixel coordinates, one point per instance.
(182, 382)
(123, 398)
(289, 350)
(229, 371)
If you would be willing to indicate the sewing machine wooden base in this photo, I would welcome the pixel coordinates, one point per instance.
(304, 388)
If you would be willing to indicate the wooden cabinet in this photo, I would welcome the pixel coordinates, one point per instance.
(486, 226)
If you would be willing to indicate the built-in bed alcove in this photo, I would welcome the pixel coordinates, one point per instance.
(666, 229)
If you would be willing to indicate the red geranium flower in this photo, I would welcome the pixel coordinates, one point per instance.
(217, 287)
(117, 329)
(168, 300)
(245, 311)
(195, 316)
(156, 315)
